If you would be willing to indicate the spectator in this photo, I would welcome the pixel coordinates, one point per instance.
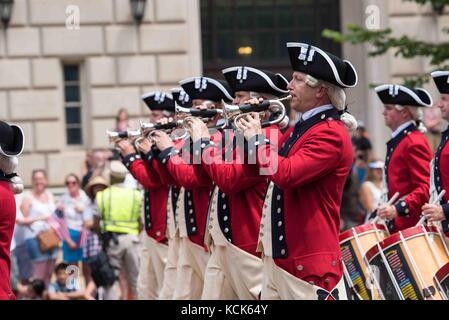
(77, 213)
(21, 258)
(371, 189)
(122, 120)
(34, 290)
(37, 206)
(96, 167)
(351, 214)
(92, 245)
(362, 149)
(62, 289)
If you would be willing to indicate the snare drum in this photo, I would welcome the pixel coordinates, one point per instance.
(353, 245)
(406, 263)
(441, 280)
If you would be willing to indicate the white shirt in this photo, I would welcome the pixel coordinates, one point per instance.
(39, 209)
(72, 217)
(309, 114)
(400, 128)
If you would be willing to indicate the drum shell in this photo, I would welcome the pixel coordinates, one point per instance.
(367, 236)
(405, 275)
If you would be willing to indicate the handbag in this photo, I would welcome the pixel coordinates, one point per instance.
(103, 273)
(48, 240)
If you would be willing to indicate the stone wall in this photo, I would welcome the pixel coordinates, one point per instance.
(119, 62)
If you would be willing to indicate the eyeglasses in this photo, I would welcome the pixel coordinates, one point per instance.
(71, 183)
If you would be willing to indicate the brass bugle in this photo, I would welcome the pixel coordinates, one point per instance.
(209, 113)
(149, 126)
(115, 136)
(276, 107)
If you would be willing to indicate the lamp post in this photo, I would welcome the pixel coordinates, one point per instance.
(138, 9)
(6, 11)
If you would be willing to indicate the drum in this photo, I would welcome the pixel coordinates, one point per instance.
(353, 245)
(406, 262)
(441, 280)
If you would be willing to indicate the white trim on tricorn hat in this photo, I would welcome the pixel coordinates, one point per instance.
(260, 73)
(19, 141)
(394, 91)
(204, 84)
(159, 100)
(309, 54)
(441, 79)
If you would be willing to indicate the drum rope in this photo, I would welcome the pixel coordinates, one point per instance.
(368, 266)
(346, 273)
(440, 288)
(414, 266)
(432, 247)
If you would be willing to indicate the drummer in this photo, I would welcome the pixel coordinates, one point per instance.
(408, 155)
(440, 181)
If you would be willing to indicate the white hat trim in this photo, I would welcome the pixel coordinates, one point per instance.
(329, 61)
(215, 82)
(409, 92)
(23, 144)
(260, 73)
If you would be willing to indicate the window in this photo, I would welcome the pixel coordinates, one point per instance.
(72, 104)
(254, 32)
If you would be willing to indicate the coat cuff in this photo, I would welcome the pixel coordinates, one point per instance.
(446, 210)
(402, 208)
(129, 159)
(166, 154)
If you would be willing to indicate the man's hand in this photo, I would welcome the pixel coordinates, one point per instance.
(250, 125)
(433, 212)
(126, 148)
(145, 145)
(387, 213)
(162, 140)
(197, 129)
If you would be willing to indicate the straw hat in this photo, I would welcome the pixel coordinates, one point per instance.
(98, 180)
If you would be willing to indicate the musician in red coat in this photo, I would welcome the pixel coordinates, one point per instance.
(234, 270)
(197, 186)
(11, 145)
(141, 164)
(407, 164)
(440, 174)
(299, 232)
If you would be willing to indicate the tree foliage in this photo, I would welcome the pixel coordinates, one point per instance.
(408, 48)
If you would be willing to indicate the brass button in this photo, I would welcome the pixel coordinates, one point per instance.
(300, 268)
(334, 263)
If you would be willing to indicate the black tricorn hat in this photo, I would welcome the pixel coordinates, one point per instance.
(441, 79)
(181, 97)
(322, 65)
(11, 139)
(159, 101)
(403, 96)
(205, 88)
(252, 79)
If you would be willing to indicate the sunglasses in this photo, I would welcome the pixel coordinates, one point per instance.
(71, 183)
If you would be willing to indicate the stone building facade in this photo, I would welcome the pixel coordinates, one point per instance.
(118, 61)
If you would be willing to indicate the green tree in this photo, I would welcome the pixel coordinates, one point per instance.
(408, 48)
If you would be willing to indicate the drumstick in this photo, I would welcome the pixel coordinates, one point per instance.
(389, 203)
(440, 196)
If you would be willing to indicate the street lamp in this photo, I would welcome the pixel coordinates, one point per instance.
(6, 11)
(138, 9)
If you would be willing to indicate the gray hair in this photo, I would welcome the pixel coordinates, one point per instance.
(337, 97)
(417, 116)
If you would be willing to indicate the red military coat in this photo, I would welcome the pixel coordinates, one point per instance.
(155, 206)
(441, 174)
(245, 196)
(7, 221)
(407, 170)
(198, 187)
(309, 174)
